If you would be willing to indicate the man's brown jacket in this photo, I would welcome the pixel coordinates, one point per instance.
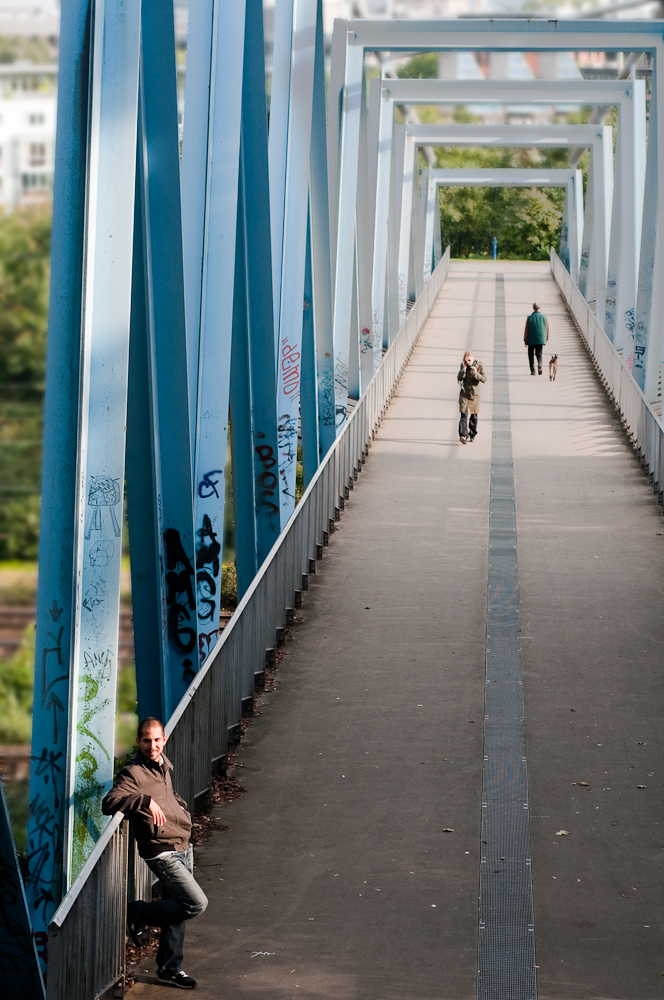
(140, 781)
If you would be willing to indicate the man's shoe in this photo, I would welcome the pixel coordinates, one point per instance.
(179, 979)
(539, 371)
(462, 440)
(136, 934)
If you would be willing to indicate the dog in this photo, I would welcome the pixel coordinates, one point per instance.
(553, 368)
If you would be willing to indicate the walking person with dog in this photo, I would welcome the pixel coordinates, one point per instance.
(535, 336)
(471, 375)
(162, 827)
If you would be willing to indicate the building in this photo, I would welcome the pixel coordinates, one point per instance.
(27, 133)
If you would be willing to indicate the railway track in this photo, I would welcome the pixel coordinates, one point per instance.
(15, 620)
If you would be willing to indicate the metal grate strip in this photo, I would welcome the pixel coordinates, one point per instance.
(506, 941)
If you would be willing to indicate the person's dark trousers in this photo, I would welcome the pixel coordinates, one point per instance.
(466, 431)
(535, 349)
(183, 900)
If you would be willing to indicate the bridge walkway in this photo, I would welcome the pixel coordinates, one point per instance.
(336, 880)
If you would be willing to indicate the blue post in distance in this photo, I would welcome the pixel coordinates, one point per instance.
(319, 223)
(240, 407)
(254, 194)
(494, 248)
(308, 394)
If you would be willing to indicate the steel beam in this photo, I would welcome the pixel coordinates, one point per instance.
(210, 166)
(57, 576)
(158, 458)
(259, 298)
(97, 547)
(292, 260)
(319, 224)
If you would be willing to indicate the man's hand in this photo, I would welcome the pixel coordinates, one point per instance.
(158, 816)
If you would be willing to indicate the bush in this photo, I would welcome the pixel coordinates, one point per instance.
(16, 684)
(525, 221)
(19, 528)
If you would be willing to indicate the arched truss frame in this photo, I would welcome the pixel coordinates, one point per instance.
(353, 38)
(629, 96)
(597, 218)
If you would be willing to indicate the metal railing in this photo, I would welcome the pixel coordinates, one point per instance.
(87, 933)
(640, 421)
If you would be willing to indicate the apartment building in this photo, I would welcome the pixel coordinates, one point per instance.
(27, 133)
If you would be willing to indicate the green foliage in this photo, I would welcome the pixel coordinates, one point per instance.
(16, 683)
(19, 527)
(422, 67)
(25, 245)
(525, 221)
(228, 599)
(126, 712)
(25, 240)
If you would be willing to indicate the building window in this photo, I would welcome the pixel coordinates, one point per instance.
(35, 182)
(37, 156)
(37, 119)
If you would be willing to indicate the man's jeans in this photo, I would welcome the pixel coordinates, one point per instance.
(183, 900)
(535, 349)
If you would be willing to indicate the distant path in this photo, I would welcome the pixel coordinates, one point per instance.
(336, 879)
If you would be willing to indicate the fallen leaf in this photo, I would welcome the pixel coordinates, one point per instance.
(641, 786)
(584, 784)
(447, 829)
(562, 833)
(614, 824)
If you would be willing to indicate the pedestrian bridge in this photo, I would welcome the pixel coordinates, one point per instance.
(452, 786)
(352, 865)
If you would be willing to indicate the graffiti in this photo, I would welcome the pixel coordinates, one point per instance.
(290, 371)
(179, 584)
(629, 321)
(104, 663)
(585, 256)
(266, 481)
(102, 492)
(188, 672)
(366, 343)
(208, 552)
(326, 395)
(53, 702)
(209, 485)
(95, 595)
(287, 434)
(206, 641)
(102, 552)
(45, 836)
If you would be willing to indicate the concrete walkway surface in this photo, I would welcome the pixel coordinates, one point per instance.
(337, 879)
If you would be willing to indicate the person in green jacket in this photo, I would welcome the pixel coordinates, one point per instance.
(535, 336)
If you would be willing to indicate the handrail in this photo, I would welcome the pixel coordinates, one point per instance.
(65, 906)
(639, 419)
(86, 956)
